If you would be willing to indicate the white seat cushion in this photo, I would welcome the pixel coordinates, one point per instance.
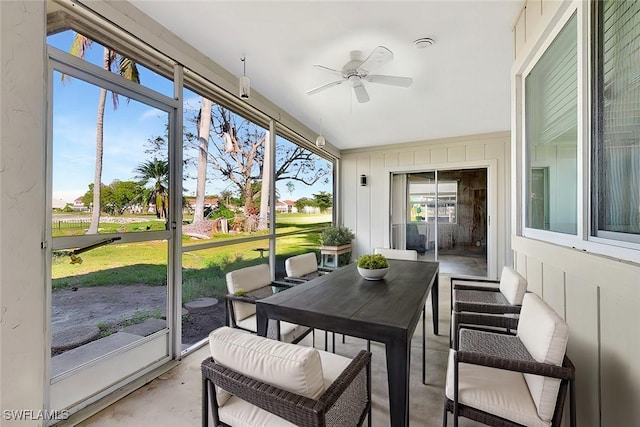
(237, 412)
(513, 286)
(247, 279)
(499, 392)
(294, 368)
(289, 332)
(545, 335)
(300, 265)
(409, 255)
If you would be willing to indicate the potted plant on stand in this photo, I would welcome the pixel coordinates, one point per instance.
(373, 267)
(335, 246)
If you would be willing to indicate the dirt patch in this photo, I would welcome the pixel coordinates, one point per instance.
(199, 323)
(112, 308)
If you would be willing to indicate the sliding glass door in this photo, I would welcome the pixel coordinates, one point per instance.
(442, 214)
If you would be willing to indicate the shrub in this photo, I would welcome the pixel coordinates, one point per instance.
(373, 262)
(336, 236)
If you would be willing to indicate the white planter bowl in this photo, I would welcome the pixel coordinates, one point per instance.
(373, 274)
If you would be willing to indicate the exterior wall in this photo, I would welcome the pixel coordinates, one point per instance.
(22, 209)
(365, 209)
(597, 295)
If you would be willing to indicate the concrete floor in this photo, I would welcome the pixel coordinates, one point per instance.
(174, 399)
(459, 262)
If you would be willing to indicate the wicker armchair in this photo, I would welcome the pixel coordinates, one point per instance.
(483, 296)
(478, 295)
(245, 287)
(501, 379)
(253, 380)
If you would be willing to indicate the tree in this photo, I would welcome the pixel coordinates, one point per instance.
(156, 173)
(323, 200)
(237, 155)
(302, 202)
(204, 128)
(111, 61)
(226, 196)
(290, 187)
(116, 197)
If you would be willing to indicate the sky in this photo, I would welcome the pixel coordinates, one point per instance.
(127, 130)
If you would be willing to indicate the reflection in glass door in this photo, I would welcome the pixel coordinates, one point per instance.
(443, 216)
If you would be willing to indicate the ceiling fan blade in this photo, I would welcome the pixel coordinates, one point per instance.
(323, 87)
(331, 70)
(361, 92)
(390, 80)
(379, 56)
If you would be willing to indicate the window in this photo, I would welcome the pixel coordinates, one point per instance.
(551, 123)
(304, 187)
(426, 200)
(616, 124)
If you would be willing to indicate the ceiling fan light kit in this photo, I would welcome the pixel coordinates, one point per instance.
(357, 70)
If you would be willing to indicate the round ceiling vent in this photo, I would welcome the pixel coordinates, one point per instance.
(423, 42)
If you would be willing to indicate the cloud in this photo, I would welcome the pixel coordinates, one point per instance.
(152, 114)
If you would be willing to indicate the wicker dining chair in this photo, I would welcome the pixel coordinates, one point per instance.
(304, 267)
(256, 381)
(501, 379)
(245, 287)
(502, 297)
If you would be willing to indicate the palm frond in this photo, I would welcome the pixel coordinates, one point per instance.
(78, 48)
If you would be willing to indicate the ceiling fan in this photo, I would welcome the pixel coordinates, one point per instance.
(357, 70)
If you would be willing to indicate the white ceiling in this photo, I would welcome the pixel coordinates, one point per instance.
(460, 85)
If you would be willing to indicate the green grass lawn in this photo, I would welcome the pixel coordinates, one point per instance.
(203, 271)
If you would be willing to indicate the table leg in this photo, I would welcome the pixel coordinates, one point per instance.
(262, 320)
(435, 292)
(424, 344)
(398, 364)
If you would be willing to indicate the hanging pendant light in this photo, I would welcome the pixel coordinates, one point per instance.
(245, 83)
(320, 141)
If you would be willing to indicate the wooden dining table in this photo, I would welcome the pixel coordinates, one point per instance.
(385, 311)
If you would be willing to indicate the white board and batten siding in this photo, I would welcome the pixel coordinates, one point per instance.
(365, 209)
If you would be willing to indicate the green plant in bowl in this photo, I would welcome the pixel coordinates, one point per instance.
(373, 262)
(373, 267)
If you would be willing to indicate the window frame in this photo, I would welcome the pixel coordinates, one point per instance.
(554, 236)
(597, 129)
(584, 240)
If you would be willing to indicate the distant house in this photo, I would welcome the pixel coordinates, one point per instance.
(190, 203)
(281, 207)
(79, 206)
(286, 206)
(291, 206)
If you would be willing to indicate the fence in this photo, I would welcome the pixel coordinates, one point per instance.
(70, 224)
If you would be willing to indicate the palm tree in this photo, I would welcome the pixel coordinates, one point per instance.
(156, 173)
(204, 129)
(111, 61)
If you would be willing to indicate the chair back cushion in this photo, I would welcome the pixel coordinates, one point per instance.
(513, 286)
(300, 265)
(247, 279)
(291, 367)
(545, 335)
(406, 254)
